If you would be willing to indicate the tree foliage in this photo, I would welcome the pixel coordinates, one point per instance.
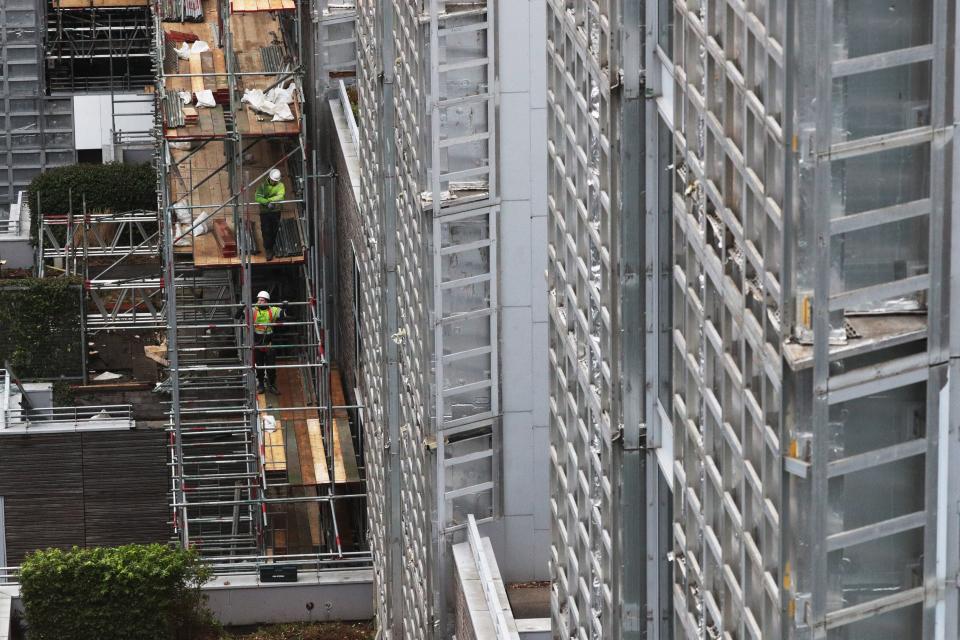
(40, 327)
(133, 592)
(113, 186)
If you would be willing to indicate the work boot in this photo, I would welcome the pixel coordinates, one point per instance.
(272, 388)
(269, 255)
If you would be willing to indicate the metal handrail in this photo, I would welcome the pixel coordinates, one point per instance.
(486, 579)
(67, 415)
(250, 564)
(348, 114)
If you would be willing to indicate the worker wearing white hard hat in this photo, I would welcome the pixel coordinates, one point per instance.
(269, 193)
(265, 318)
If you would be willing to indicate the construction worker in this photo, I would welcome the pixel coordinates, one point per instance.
(269, 193)
(265, 316)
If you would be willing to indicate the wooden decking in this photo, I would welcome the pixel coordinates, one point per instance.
(300, 431)
(201, 183)
(253, 26)
(250, 6)
(345, 458)
(274, 453)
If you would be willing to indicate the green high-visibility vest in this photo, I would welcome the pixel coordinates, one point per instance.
(264, 318)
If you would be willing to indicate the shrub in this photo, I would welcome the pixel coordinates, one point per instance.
(40, 327)
(134, 592)
(113, 186)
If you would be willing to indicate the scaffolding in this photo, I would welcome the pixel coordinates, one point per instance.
(98, 48)
(256, 477)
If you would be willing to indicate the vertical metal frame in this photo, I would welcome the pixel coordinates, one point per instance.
(726, 372)
(3, 535)
(491, 486)
(596, 298)
(441, 287)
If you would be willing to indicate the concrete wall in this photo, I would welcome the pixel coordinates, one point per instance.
(522, 538)
(330, 596)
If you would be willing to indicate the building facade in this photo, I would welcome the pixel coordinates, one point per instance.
(449, 280)
(787, 265)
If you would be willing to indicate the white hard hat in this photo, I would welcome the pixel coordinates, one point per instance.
(275, 175)
(263, 294)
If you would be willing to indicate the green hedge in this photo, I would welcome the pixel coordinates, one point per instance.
(134, 592)
(40, 327)
(113, 186)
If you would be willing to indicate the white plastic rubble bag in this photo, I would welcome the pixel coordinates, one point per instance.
(183, 51)
(202, 226)
(199, 46)
(255, 98)
(205, 98)
(282, 113)
(185, 97)
(269, 422)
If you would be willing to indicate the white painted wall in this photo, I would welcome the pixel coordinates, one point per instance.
(93, 119)
(522, 539)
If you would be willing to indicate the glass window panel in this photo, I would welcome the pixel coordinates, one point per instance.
(464, 231)
(24, 88)
(874, 422)
(59, 121)
(469, 333)
(876, 494)
(880, 179)
(466, 371)
(881, 254)
(465, 264)
(479, 504)
(28, 106)
(884, 101)
(466, 442)
(22, 54)
(860, 29)
(20, 19)
(466, 404)
(469, 474)
(471, 297)
(875, 569)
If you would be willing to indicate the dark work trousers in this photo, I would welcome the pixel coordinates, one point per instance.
(269, 223)
(264, 356)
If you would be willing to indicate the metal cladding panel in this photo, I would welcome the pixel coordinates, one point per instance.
(36, 132)
(726, 376)
(373, 304)
(583, 168)
(807, 272)
(442, 229)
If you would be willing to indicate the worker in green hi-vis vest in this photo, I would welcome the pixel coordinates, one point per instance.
(265, 318)
(269, 193)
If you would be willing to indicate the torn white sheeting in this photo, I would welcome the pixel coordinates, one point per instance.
(275, 102)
